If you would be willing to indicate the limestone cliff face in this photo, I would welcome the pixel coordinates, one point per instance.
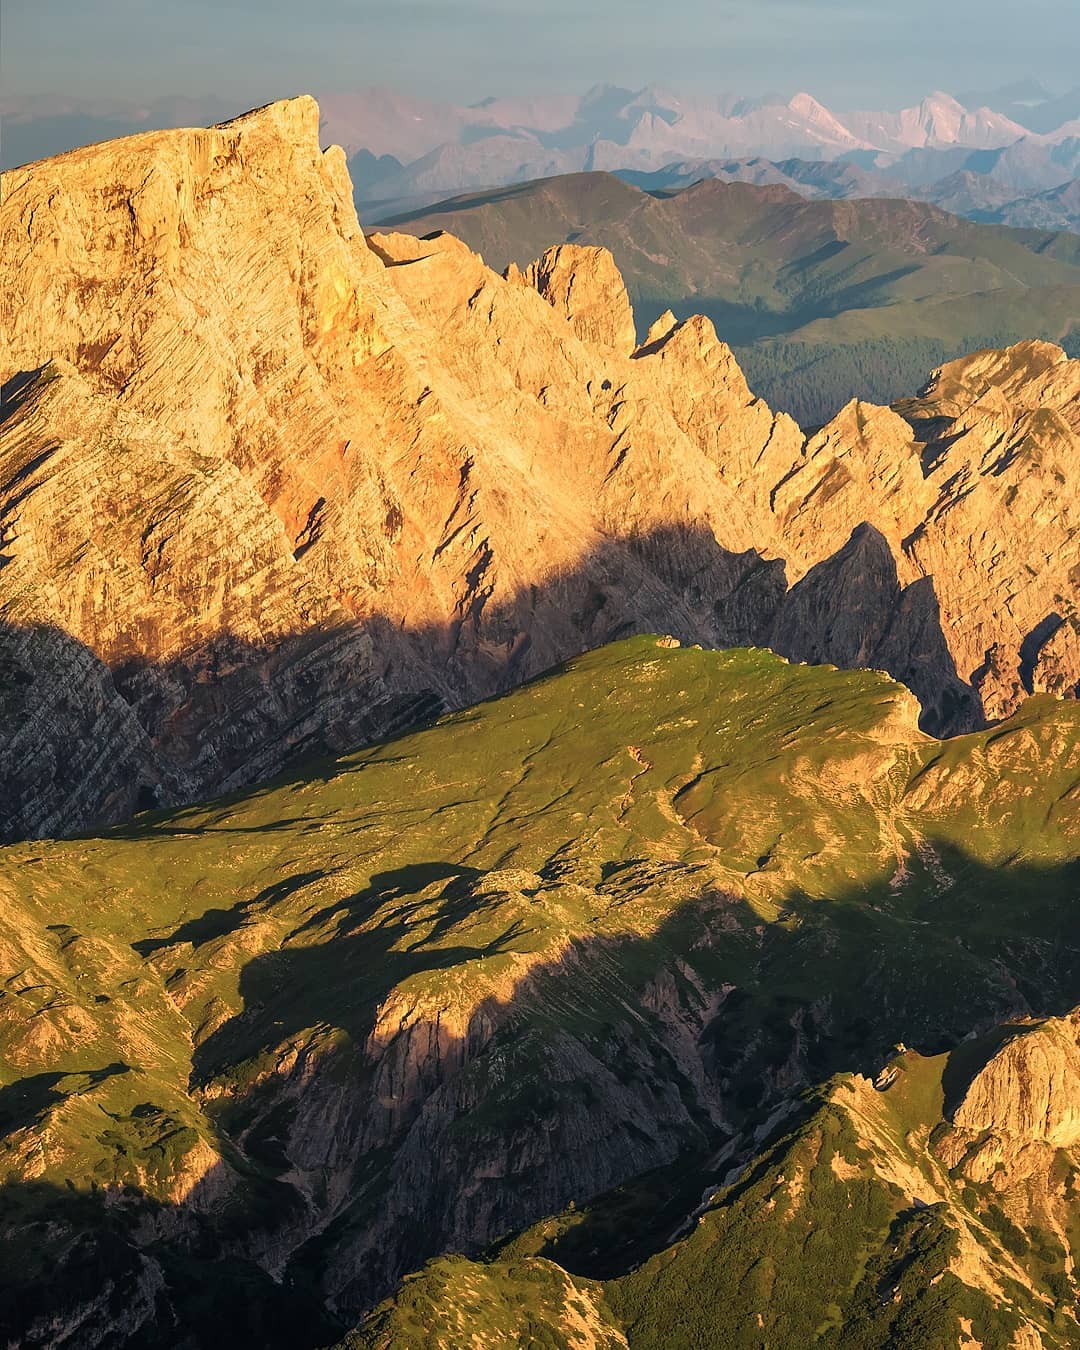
(584, 286)
(1002, 539)
(1029, 1091)
(281, 488)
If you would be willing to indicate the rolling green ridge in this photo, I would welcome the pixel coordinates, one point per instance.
(813, 1242)
(261, 1057)
(822, 300)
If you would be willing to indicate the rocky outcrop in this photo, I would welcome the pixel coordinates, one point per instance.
(584, 286)
(1029, 1091)
(851, 610)
(241, 475)
(1002, 433)
(283, 489)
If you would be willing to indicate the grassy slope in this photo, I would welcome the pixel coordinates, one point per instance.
(455, 1302)
(823, 300)
(644, 815)
(844, 1230)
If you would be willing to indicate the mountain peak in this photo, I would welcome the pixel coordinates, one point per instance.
(583, 284)
(290, 121)
(940, 99)
(822, 120)
(807, 104)
(294, 117)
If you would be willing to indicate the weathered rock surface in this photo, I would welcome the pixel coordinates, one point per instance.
(584, 286)
(1030, 1089)
(284, 489)
(1002, 432)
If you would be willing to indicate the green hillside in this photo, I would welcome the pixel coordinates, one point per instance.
(823, 300)
(263, 1056)
(819, 1240)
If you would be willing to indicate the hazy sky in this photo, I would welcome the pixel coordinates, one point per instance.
(853, 52)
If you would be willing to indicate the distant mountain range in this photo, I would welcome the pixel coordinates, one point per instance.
(1030, 184)
(823, 300)
(405, 153)
(1011, 144)
(651, 127)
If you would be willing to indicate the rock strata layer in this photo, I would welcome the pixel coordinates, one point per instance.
(269, 487)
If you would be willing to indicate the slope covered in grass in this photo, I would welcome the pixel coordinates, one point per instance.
(263, 1056)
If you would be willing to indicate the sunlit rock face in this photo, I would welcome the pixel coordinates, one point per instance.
(268, 487)
(1029, 1091)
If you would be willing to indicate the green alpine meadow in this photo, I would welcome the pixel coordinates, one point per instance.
(596, 995)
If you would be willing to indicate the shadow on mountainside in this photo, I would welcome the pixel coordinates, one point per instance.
(85, 744)
(27, 1099)
(216, 923)
(15, 389)
(622, 1055)
(489, 1097)
(926, 961)
(108, 1268)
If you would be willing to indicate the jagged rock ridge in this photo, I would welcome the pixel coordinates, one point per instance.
(268, 487)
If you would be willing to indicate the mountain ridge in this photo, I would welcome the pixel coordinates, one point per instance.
(406, 153)
(338, 520)
(823, 300)
(411, 1001)
(646, 121)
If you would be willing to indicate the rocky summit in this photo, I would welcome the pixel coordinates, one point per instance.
(268, 487)
(403, 945)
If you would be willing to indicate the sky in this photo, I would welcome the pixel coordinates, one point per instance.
(848, 52)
